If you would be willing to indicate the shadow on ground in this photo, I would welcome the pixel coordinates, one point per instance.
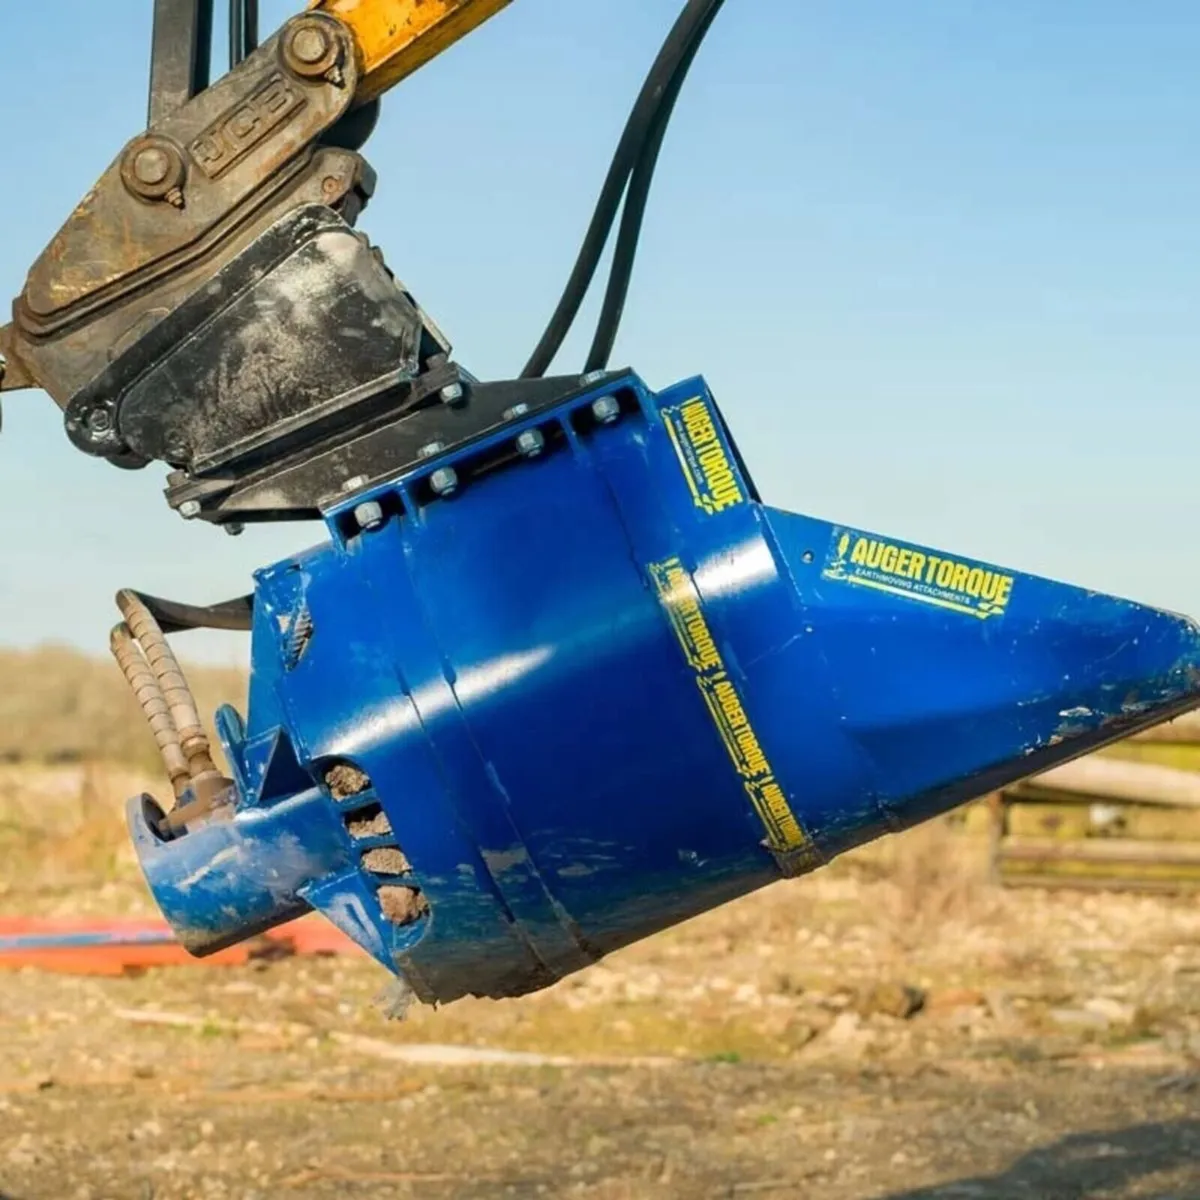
(1155, 1161)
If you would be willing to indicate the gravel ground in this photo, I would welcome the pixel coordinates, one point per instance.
(890, 1028)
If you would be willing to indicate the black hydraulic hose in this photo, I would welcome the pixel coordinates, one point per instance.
(636, 199)
(233, 615)
(680, 46)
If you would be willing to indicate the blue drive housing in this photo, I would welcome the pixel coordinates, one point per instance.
(592, 693)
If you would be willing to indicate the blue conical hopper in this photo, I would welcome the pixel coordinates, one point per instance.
(601, 690)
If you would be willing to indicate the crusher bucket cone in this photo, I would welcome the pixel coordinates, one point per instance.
(549, 694)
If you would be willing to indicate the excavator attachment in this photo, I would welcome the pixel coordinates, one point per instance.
(570, 682)
(558, 678)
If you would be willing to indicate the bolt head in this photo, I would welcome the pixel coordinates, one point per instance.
(153, 169)
(309, 44)
(431, 450)
(517, 410)
(369, 515)
(311, 50)
(453, 393)
(606, 410)
(355, 483)
(99, 421)
(189, 510)
(235, 529)
(444, 481)
(592, 377)
(531, 443)
(151, 165)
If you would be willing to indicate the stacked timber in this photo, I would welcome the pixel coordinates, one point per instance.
(1105, 821)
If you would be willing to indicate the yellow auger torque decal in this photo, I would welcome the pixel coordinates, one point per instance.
(914, 573)
(679, 598)
(711, 476)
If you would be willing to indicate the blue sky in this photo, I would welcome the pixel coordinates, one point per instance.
(939, 261)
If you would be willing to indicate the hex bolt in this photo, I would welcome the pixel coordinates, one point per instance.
(444, 481)
(517, 410)
(189, 510)
(354, 483)
(311, 51)
(151, 165)
(235, 529)
(369, 515)
(99, 421)
(606, 410)
(453, 393)
(154, 169)
(309, 44)
(592, 377)
(531, 443)
(432, 449)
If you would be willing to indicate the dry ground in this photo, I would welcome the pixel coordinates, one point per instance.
(764, 1050)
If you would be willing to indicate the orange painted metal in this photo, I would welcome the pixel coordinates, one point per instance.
(127, 947)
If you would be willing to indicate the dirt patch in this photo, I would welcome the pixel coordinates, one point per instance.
(1057, 1054)
(890, 999)
(402, 905)
(387, 861)
(376, 825)
(345, 782)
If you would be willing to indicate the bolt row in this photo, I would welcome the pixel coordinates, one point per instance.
(444, 482)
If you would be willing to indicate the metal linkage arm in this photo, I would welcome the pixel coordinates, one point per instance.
(397, 37)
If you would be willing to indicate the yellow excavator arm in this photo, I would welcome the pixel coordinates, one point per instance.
(397, 37)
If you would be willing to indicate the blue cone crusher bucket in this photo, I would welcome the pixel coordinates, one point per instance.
(574, 683)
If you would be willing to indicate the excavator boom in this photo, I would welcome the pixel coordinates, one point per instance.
(397, 37)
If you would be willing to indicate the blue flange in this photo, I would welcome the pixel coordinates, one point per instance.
(551, 694)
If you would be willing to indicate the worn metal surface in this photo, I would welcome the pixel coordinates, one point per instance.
(397, 37)
(301, 334)
(347, 458)
(208, 305)
(237, 137)
(605, 689)
(133, 250)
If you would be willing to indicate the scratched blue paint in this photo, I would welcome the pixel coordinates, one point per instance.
(508, 669)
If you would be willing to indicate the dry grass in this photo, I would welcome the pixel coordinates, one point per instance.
(936, 878)
(62, 828)
(59, 706)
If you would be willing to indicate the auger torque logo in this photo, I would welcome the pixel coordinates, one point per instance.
(918, 574)
(710, 474)
(681, 602)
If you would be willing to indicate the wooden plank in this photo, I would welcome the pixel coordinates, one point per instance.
(1110, 865)
(1102, 850)
(1098, 883)
(1064, 816)
(1182, 729)
(1115, 779)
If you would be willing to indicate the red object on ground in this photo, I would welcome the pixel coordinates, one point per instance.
(117, 950)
